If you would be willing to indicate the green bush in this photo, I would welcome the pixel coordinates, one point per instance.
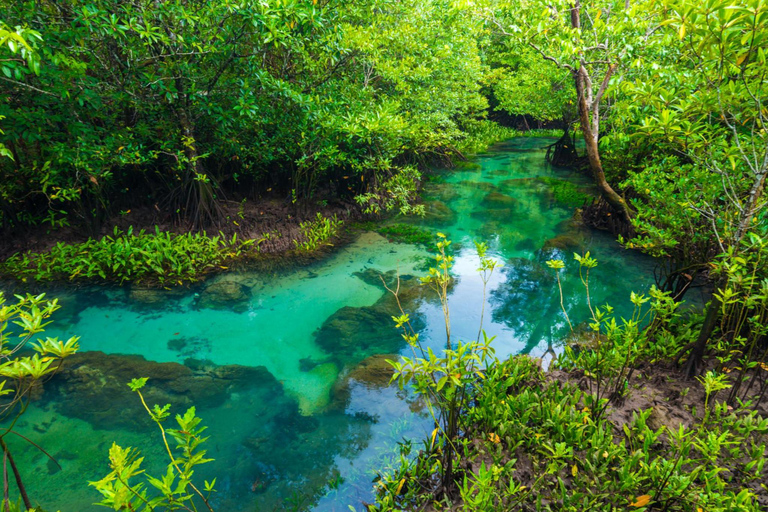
(149, 258)
(317, 233)
(482, 134)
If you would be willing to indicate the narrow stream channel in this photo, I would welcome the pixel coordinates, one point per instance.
(307, 419)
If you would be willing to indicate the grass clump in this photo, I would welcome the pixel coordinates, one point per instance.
(158, 258)
(566, 192)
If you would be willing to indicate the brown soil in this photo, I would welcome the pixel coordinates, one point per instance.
(661, 387)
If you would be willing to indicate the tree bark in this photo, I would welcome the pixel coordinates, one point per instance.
(697, 354)
(16, 475)
(590, 132)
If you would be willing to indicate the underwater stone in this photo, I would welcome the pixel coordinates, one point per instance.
(568, 242)
(499, 216)
(437, 212)
(479, 185)
(373, 372)
(224, 295)
(498, 200)
(92, 386)
(148, 296)
(442, 191)
(351, 334)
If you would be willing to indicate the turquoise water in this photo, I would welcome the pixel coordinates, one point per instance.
(301, 424)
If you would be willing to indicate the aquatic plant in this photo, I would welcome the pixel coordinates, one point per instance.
(407, 233)
(317, 233)
(566, 192)
(444, 379)
(19, 323)
(176, 488)
(147, 258)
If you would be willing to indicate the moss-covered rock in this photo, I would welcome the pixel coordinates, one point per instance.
(225, 294)
(437, 212)
(498, 200)
(92, 386)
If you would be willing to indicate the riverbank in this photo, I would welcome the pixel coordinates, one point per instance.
(536, 441)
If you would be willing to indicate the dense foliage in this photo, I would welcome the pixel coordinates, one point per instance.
(184, 106)
(150, 258)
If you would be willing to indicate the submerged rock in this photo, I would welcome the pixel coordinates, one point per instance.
(478, 185)
(572, 238)
(93, 386)
(498, 200)
(149, 296)
(567, 242)
(499, 216)
(225, 295)
(373, 372)
(442, 191)
(351, 334)
(437, 212)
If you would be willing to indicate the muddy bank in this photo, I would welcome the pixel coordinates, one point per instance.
(251, 220)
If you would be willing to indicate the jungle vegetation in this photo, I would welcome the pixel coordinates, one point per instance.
(192, 109)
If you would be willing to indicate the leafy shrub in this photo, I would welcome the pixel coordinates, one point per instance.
(177, 491)
(21, 374)
(528, 442)
(482, 134)
(317, 233)
(150, 258)
(398, 192)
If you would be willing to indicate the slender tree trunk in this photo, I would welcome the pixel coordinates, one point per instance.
(589, 121)
(710, 321)
(16, 475)
(697, 354)
(199, 200)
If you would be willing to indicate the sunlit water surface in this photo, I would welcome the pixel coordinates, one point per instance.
(299, 433)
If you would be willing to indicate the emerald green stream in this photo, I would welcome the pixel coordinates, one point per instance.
(307, 419)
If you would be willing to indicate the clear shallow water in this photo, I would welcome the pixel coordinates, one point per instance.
(306, 427)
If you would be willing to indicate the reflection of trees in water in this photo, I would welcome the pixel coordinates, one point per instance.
(529, 300)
